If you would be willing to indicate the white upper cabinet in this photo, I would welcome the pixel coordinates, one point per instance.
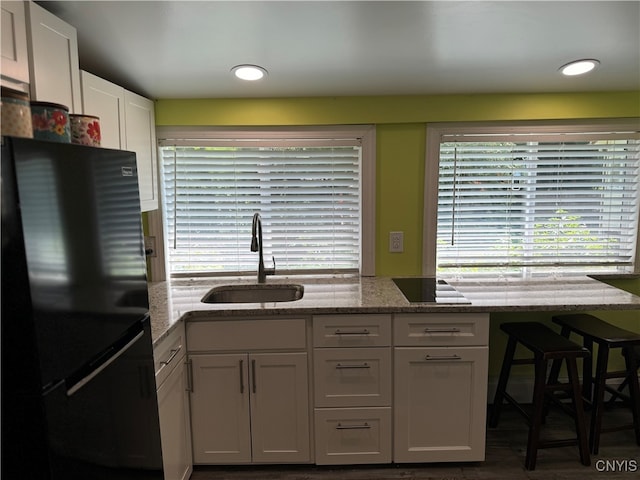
(140, 129)
(54, 69)
(127, 122)
(105, 100)
(15, 59)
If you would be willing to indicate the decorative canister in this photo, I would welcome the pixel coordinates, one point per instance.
(85, 130)
(50, 122)
(16, 114)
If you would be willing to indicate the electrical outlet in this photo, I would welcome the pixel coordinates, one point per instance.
(150, 246)
(396, 242)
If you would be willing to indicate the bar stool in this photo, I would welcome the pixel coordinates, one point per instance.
(607, 337)
(546, 346)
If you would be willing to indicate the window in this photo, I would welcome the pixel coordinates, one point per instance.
(535, 200)
(308, 186)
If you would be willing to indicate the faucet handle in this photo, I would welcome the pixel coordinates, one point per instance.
(271, 271)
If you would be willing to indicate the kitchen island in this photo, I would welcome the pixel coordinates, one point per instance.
(351, 373)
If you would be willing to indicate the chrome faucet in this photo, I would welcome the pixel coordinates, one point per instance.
(256, 246)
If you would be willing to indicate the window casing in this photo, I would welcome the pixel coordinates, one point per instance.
(532, 199)
(312, 187)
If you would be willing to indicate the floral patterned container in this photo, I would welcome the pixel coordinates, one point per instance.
(50, 122)
(16, 114)
(85, 130)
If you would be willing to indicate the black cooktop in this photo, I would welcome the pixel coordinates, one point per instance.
(428, 290)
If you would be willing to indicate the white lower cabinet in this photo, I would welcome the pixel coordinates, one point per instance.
(440, 392)
(353, 435)
(352, 379)
(249, 404)
(173, 406)
(250, 407)
(174, 426)
(440, 404)
(404, 388)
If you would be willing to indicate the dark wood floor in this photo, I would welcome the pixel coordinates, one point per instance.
(506, 447)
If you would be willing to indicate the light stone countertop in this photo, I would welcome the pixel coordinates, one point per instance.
(176, 300)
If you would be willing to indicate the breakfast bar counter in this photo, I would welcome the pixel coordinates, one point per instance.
(179, 299)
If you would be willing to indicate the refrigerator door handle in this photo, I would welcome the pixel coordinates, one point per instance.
(83, 381)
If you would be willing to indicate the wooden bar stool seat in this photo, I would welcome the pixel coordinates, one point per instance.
(596, 331)
(546, 346)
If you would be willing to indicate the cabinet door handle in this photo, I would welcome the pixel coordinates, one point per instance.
(442, 330)
(241, 376)
(253, 375)
(363, 365)
(189, 376)
(364, 426)
(357, 332)
(442, 357)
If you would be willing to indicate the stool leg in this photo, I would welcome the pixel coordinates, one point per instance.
(631, 362)
(587, 371)
(598, 397)
(578, 407)
(502, 382)
(537, 413)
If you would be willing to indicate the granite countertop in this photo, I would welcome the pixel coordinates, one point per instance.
(176, 300)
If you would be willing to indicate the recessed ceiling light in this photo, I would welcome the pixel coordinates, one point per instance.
(249, 72)
(579, 67)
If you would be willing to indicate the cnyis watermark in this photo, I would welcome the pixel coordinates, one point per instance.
(626, 465)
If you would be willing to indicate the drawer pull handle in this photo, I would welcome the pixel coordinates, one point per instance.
(442, 330)
(442, 357)
(364, 365)
(361, 332)
(165, 363)
(353, 427)
(173, 354)
(241, 376)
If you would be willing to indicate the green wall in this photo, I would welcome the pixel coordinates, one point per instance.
(400, 124)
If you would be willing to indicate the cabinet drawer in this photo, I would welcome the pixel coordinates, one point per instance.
(353, 435)
(441, 329)
(351, 330)
(169, 353)
(358, 377)
(246, 334)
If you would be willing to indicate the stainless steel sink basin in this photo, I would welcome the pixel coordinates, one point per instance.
(254, 293)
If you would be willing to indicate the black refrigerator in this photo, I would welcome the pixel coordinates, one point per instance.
(78, 387)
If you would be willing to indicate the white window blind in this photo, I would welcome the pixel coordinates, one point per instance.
(531, 203)
(307, 193)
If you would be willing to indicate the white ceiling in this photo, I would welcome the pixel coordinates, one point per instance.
(185, 49)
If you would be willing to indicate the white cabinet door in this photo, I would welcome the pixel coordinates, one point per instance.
(141, 138)
(250, 408)
(173, 406)
(440, 404)
(279, 407)
(104, 99)
(15, 57)
(219, 399)
(54, 69)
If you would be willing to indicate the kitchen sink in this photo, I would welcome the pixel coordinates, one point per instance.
(254, 293)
